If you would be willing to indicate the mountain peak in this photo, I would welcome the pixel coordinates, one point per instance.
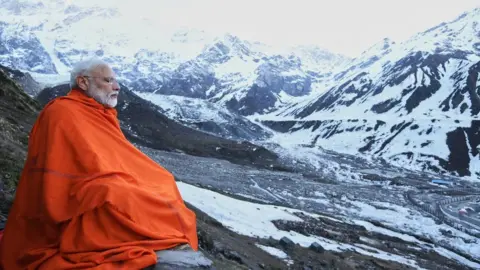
(380, 48)
(231, 41)
(472, 13)
(229, 45)
(460, 34)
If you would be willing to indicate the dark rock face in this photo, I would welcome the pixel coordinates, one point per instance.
(286, 243)
(18, 112)
(317, 247)
(275, 74)
(190, 79)
(280, 73)
(463, 142)
(473, 89)
(196, 77)
(335, 96)
(25, 80)
(143, 123)
(258, 99)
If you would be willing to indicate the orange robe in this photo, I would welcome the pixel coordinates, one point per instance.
(88, 199)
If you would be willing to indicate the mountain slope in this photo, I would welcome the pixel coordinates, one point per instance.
(25, 80)
(414, 104)
(207, 117)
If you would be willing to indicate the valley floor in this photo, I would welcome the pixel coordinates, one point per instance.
(371, 225)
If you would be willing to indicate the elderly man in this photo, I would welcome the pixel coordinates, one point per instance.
(87, 198)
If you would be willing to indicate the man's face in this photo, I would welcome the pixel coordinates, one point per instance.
(102, 86)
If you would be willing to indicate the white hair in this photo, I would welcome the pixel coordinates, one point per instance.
(84, 68)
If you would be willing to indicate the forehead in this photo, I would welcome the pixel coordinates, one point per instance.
(103, 70)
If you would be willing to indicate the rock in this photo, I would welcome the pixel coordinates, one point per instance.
(233, 255)
(270, 241)
(317, 247)
(181, 259)
(286, 243)
(205, 240)
(218, 247)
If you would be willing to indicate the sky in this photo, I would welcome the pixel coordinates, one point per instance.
(343, 26)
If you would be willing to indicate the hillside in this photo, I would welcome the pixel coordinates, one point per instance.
(17, 114)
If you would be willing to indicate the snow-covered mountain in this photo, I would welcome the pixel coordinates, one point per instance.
(47, 37)
(414, 103)
(206, 116)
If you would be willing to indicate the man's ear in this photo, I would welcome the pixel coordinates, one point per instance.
(82, 83)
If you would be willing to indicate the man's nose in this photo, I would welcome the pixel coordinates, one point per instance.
(116, 86)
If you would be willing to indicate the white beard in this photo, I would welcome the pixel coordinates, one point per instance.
(101, 97)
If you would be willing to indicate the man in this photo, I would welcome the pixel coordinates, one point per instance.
(87, 198)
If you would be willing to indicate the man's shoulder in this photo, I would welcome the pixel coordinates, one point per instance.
(58, 109)
(58, 105)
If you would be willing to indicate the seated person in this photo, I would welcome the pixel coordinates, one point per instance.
(87, 198)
